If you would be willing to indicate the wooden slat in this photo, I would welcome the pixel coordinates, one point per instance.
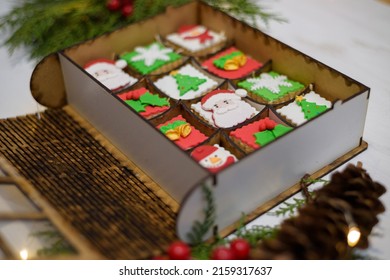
(7, 251)
(23, 216)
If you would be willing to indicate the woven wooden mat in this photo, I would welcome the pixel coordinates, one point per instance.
(90, 188)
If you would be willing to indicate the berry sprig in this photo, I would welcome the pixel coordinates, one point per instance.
(126, 6)
(238, 249)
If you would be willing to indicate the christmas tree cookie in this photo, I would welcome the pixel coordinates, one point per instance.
(304, 108)
(224, 108)
(145, 103)
(213, 157)
(110, 73)
(231, 64)
(258, 134)
(185, 83)
(146, 60)
(271, 87)
(182, 133)
(196, 38)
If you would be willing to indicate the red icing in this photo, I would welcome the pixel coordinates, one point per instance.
(245, 134)
(266, 123)
(249, 66)
(151, 111)
(196, 137)
(135, 95)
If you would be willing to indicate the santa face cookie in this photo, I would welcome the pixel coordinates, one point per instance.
(110, 73)
(304, 108)
(271, 87)
(182, 133)
(195, 38)
(185, 83)
(145, 103)
(147, 59)
(224, 108)
(231, 64)
(214, 158)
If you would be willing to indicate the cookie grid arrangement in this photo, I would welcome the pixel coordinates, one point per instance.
(213, 100)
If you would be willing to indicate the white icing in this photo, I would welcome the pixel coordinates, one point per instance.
(239, 114)
(294, 112)
(151, 53)
(217, 158)
(271, 83)
(195, 45)
(110, 75)
(206, 115)
(169, 86)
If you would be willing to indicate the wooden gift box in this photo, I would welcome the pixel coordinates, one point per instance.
(260, 179)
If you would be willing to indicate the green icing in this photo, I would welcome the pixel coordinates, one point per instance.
(268, 94)
(311, 109)
(186, 83)
(136, 105)
(220, 62)
(140, 66)
(153, 100)
(266, 136)
(172, 125)
(280, 129)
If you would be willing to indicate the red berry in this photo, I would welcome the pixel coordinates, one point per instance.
(114, 5)
(179, 250)
(270, 124)
(127, 10)
(222, 253)
(240, 248)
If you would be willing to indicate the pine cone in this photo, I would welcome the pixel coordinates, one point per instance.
(321, 228)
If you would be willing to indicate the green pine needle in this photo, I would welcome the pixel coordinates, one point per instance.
(55, 244)
(47, 26)
(200, 229)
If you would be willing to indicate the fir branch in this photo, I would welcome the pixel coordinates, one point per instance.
(288, 208)
(200, 229)
(46, 26)
(57, 245)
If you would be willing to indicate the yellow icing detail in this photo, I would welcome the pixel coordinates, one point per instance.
(182, 130)
(174, 72)
(299, 98)
(172, 134)
(235, 63)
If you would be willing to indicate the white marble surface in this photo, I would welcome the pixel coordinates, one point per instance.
(352, 36)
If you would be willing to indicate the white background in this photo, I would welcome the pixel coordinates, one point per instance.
(352, 36)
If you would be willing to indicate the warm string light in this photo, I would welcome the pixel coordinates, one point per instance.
(23, 254)
(354, 234)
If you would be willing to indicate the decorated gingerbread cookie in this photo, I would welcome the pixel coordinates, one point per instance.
(258, 134)
(110, 73)
(147, 59)
(182, 133)
(224, 108)
(304, 108)
(195, 38)
(186, 83)
(214, 158)
(231, 64)
(145, 103)
(271, 87)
